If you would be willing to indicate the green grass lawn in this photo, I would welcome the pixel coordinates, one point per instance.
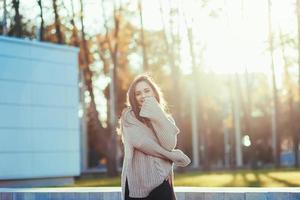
(241, 178)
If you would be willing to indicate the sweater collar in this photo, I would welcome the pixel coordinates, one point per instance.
(129, 119)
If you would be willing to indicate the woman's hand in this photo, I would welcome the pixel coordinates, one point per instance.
(179, 158)
(151, 108)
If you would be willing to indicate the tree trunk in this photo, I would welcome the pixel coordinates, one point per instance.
(17, 18)
(4, 22)
(275, 130)
(290, 95)
(112, 146)
(41, 34)
(194, 85)
(57, 23)
(296, 132)
(75, 39)
(231, 91)
(145, 59)
(237, 123)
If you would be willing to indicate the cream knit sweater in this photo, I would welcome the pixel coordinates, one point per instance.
(149, 156)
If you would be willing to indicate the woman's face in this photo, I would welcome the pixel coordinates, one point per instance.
(142, 90)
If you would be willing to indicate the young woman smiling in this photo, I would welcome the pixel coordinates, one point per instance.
(149, 135)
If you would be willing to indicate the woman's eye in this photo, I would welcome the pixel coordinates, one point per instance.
(147, 91)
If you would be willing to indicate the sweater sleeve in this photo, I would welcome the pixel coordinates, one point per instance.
(164, 126)
(144, 143)
(137, 136)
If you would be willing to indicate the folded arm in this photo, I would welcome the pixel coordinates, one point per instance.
(146, 144)
(149, 146)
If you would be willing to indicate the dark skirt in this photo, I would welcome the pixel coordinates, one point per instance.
(162, 192)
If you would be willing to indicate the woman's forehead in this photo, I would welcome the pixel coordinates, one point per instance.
(141, 86)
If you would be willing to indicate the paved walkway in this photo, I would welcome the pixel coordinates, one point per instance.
(182, 193)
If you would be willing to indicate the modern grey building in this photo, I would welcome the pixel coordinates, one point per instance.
(39, 124)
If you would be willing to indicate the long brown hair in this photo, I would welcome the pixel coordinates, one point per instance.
(131, 99)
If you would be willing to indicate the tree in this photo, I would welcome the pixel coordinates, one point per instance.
(145, 59)
(275, 110)
(41, 32)
(194, 98)
(113, 45)
(4, 22)
(58, 31)
(296, 132)
(96, 133)
(17, 19)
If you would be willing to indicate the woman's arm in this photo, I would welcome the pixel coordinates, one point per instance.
(147, 145)
(165, 127)
(144, 143)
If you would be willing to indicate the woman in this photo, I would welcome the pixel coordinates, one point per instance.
(149, 136)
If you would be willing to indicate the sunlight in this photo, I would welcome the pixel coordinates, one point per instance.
(232, 43)
(234, 40)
